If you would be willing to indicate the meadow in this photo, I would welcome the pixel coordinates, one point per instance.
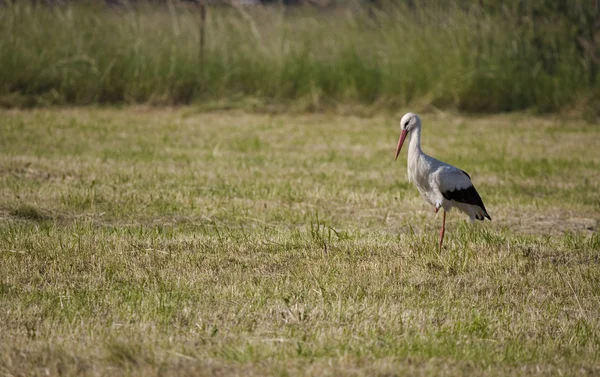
(171, 241)
(519, 55)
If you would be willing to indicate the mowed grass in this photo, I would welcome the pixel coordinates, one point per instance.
(139, 241)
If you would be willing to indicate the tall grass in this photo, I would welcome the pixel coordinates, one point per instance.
(466, 59)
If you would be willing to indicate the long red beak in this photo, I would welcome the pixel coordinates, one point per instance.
(400, 142)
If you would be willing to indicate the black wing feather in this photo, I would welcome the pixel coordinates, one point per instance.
(467, 195)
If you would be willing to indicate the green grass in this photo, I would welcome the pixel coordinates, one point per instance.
(446, 57)
(170, 242)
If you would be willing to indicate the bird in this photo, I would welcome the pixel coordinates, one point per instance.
(442, 185)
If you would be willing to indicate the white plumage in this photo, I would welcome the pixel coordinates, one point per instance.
(440, 184)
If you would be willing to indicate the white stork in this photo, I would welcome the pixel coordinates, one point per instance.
(440, 184)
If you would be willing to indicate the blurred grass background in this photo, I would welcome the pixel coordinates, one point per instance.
(475, 56)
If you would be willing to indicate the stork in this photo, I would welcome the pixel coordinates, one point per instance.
(441, 184)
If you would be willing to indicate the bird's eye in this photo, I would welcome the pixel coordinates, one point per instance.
(406, 124)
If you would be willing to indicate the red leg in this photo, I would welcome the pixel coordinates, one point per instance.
(443, 230)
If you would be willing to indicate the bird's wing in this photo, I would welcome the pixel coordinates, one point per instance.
(455, 184)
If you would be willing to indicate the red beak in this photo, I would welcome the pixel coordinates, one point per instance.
(400, 142)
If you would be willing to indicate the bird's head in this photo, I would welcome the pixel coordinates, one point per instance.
(408, 123)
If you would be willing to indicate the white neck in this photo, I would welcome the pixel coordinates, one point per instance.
(414, 154)
(414, 144)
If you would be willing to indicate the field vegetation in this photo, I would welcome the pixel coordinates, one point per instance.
(477, 56)
(175, 242)
(257, 232)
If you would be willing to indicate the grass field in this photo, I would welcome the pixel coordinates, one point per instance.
(142, 242)
(450, 55)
